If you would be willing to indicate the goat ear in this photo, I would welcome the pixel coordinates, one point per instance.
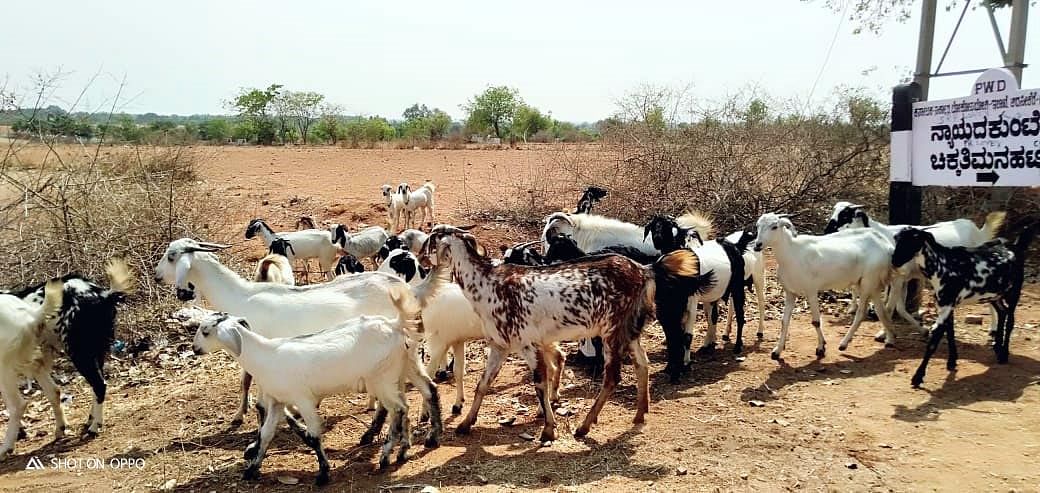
(863, 215)
(212, 247)
(232, 339)
(675, 231)
(646, 231)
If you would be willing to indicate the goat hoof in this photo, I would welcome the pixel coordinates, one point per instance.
(440, 376)
(725, 338)
(401, 458)
(384, 463)
(951, 366)
(916, 381)
(841, 347)
(322, 479)
(547, 436)
(706, 349)
(760, 336)
(1002, 359)
(424, 418)
(821, 352)
(235, 423)
(456, 409)
(879, 338)
(737, 349)
(21, 433)
(775, 356)
(581, 432)
(251, 473)
(462, 429)
(432, 442)
(890, 345)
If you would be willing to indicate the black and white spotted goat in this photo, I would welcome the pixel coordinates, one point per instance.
(990, 273)
(86, 327)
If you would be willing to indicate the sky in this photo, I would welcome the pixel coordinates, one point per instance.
(573, 58)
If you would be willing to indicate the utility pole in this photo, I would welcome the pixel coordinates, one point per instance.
(925, 39)
(1016, 53)
(904, 199)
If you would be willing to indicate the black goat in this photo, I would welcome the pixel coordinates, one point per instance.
(86, 326)
(990, 273)
(392, 243)
(589, 199)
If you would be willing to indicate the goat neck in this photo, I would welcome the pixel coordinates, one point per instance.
(223, 288)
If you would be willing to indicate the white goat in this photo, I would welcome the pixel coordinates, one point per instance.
(419, 200)
(394, 207)
(593, 232)
(958, 232)
(449, 320)
(860, 259)
(275, 266)
(307, 244)
(277, 310)
(23, 332)
(300, 371)
(363, 244)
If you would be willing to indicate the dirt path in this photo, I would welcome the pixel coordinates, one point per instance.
(849, 422)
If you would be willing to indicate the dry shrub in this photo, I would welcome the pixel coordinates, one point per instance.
(734, 160)
(64, 210)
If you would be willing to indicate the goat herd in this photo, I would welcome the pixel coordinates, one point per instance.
(597, 279)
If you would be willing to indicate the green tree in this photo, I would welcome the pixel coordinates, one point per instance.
(329, 126)
(303, 108)
(424, 123)
(216, 130)
(529, 121)
(127, 130)
(757, 112)
(494, 109)
(254, 107)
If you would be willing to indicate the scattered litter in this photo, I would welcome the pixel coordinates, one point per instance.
(681, 471)
(564, 411)
(884, 445)
(429, 489)
(507, 421)
(756, 403)
(288, 480)
(852, 465)
(973, 319)
(845, 372)
(168, 485)
(527, 436)
(780, 421)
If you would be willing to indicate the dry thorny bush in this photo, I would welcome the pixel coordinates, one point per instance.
(70, 209)
(733, 162)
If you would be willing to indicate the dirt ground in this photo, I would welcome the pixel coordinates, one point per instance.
(848, 422)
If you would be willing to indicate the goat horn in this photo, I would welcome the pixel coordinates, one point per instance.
(785, 215)
(527, 244)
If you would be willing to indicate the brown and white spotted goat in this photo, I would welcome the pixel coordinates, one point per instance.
(529, 309)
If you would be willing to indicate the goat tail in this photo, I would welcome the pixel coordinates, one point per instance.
(120, 279)
(681, 270)
(994, 221)
(431, 286)
(263, 270)
(53, 299)
(431, 186)
(698, 221)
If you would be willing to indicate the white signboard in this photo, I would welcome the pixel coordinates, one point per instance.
(991, 137)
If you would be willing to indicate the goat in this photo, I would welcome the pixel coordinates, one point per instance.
(305, 222)
(592, 232)
(363, 244)
(275, 266)
(562, 247)
(276, 310)
(528, 309)
(395, 207)
(754, 278)
(721, 257)
(420, 200)
(86, 327)
(806, 264)
(369, 350)
(449, 321)
(589, 197)
(409, 239)
(306, 244)
(348, 264)
(990, 273)
(22, 336)
(959, 232)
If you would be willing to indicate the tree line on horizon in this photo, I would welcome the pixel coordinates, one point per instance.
(275, 115)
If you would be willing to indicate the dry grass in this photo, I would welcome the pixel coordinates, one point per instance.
(67, 209)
